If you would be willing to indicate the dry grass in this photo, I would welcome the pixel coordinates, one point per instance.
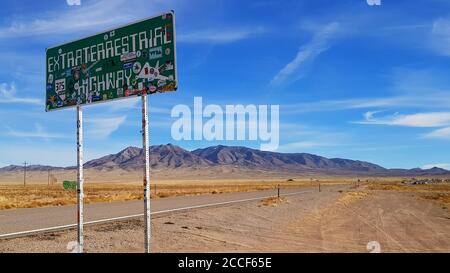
(41, 196)
(440, 197)
(410, 188)
(437, 192)
(351, 197)
(18, 196)
(274, 201)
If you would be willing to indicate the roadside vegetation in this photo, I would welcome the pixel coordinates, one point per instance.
(40, 195)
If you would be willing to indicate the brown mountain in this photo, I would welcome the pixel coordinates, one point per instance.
(218, 158)
(251, 158)
(161, 157)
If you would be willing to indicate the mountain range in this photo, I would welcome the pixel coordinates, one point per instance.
(171, 157)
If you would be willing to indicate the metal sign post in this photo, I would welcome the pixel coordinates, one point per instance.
(80, 178)
(145, 144)
(137, 59)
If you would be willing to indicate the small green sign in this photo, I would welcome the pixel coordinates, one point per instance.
(72, 185)
(128, 61)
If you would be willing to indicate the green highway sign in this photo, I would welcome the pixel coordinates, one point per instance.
(128, 61)
(70, 185)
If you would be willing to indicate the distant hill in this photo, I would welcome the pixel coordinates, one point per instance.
(15, 168)
(169, 157)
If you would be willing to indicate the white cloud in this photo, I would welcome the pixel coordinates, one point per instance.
(101, 128)
(120, 104)
(90, 15)
(421, 120)
(8, 94)
(219, 36)
(301, 145)
(433, 100)
(440, 36)
(50, 153)
(443, 133)
(308, 52)
(432, 119)
(39, 132)
(438, 165)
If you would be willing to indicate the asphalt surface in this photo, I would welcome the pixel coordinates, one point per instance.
(22, 220)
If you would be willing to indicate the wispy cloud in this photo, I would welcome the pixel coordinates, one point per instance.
(121, 104)
(302, 145)
(88, 16)
(420, 120)
(39, 132)
(443, 133)
(440, 36)
(101, 128)
(8, 94)
(319, 43)
(220, 36)
(432, 100)
(438, 165)
(432, 119)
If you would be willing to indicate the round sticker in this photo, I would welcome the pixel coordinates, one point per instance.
(137, 67)
(76, 86)
(50, 78)
(60, 51)
(138, 54)
(106, 37)
(167, 51)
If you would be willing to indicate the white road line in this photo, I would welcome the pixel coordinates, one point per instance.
(30, 232)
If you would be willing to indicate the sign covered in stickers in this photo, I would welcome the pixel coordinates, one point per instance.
(128, 61)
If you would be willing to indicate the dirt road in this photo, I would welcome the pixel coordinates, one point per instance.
(331, 221)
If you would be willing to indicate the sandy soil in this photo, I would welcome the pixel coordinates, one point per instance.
(313, 222)
(175, 176)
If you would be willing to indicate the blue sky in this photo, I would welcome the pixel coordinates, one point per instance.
(352, 80)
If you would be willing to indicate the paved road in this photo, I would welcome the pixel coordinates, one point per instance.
(20, 220)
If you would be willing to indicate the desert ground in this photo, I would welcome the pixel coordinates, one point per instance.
(397, 217)
(40, 191)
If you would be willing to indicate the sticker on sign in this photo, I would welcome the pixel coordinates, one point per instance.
(127, 61)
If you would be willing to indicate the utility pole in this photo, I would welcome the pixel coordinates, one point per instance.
(48, 177)
(24, 174)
